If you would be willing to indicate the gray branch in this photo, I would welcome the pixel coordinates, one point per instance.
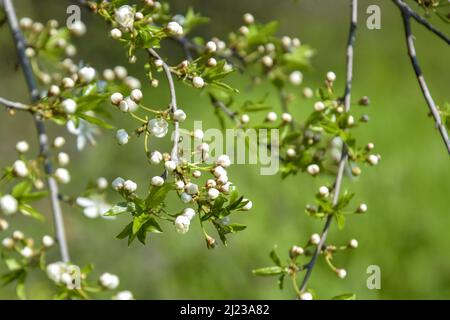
(40, 127)
(407, 15)
(344, 157)
(13, 105)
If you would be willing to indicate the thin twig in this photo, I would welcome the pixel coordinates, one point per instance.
(13, 105)
(344, 157)
(173, 103)
(43, 138)
(406, 15)
(412, 14)
(224, 108)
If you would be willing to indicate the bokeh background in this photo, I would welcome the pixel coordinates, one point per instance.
(405, 231)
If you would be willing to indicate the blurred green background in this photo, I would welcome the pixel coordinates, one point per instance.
(405, 231)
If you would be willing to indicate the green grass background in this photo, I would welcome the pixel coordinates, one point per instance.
(405, 231)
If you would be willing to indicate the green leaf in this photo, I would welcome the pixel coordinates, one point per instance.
(345, 296)
(157, 195)
(11, 276)
(234, 227)
(268, 271)
(118, 209)
(12, 264)
(126, 231)
(340, 219)
(20, 287)
(34, 196)
(30, 211)
(281, 281)
(138, 222)
(20, 189)
(152, 226)
(95, 121)
(274, 256)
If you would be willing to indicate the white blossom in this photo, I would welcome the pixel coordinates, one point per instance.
(124, 295)
(86, 74)
(20, 169)
(122, 137)
(94, 207)
(62, 175)
(85, 132)
(157, 181)
(182, 224)
(158, 127)
(109, 281)
(22, 146)
(8, 204)
(124, 16)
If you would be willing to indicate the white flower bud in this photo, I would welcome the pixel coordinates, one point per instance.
(179, 115)
(286, 117)
(3, 224)
(271, 116)
(117, 183)
(296, 42)
(130, 186)
(108, 75)
(244, 30)
(296, 78)
(198, 134)
(198, 82)
(22, 146)
(297, 251)
(48, 241)
(362, 208)
(26, 252)
(203, 147)
(247, 206)
(8, 243)
(20, 169)
(291, 153)
(212, 62)
(175, 28)
(8, 204)
(245, 118)
(122, 137)
(350, 121)
(157, 181)
(69, 106)
(324, 191)
(222, 179)
(314, 239)
(63, 159)
(225, 188)
(308, 93)
(267, 61)
(306, 296)
(86, 74)
(189, 213)
(138, 16)
(341, 273)
(78, 28)
(136, 95)
(124, 295)
(25, 23)
(370, 146)
(116, 98)
(124, 16)
(373, 160)
(54, 91)
(313, 169)
(248, 18)
(109, 281)
(331, 76)
(213, 193)
(179, 185)
(121, 72)
(18, 235)
(286, 42)
(223, 161)
(62, 175)
(154, 83)
(210, 183)
(30, 52)
(353, 244)
(319, 106)
(159, 63)
(182, 224)
(68, 83)
(116, 33)
(186, 198)
(59, 142)
(156, 157)
(170, 165)
(211, 46)
(196, 173)
(191, 188)
(219, 171)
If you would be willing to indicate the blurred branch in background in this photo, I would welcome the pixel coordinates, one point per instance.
(407, 14)
(41, 130)
(13, 105)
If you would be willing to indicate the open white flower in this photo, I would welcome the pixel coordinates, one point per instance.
(124, 16)
(158, 127)
(94, 207)
(85, 132)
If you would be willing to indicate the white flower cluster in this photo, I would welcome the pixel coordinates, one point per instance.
(63, 273)
(109, 281)
(120, 184)
(183, 221)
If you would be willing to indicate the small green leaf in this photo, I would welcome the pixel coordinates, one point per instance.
(30, 211)
(157, 195)
(126, 231)
(345, 296)
(268, 271)
(274, 256)
(20, 189)
(340, 219)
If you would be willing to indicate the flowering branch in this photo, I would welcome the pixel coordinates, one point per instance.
(13, 105)
(43, 139)
(343, 161)
(407, 14)
(173, 103)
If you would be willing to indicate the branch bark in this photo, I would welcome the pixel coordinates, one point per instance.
(342, 163)
(13, 105)
(407, 14)
(40, 127)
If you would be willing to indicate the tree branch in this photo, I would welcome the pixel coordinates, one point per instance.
(412, 14)
(344, 157)
(406, 15)
(173, 103)
(43, 139)
(13, 105)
